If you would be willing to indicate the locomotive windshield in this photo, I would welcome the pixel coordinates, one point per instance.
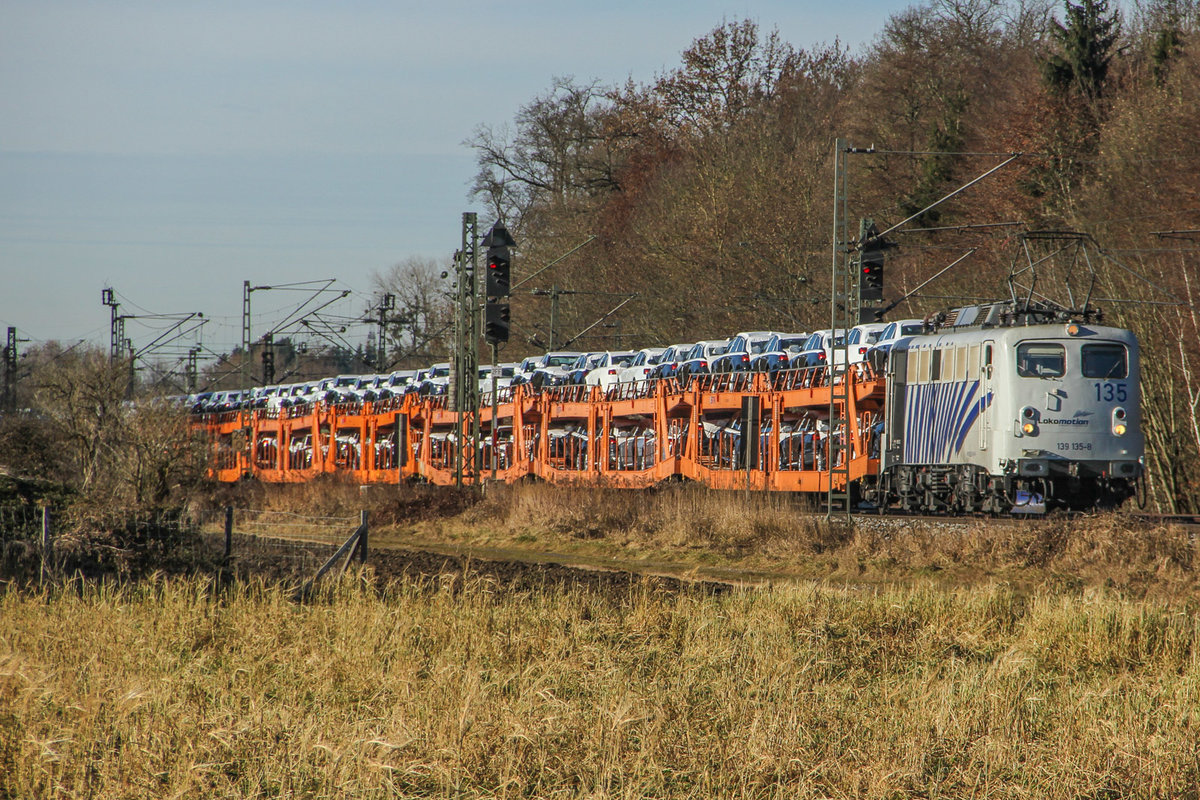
(1041, 360)
(1105, 361)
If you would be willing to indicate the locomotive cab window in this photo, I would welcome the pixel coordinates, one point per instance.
(1041, 360)
(1108, 361)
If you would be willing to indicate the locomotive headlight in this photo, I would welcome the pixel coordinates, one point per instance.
(1119, 425)
(1029, 420)
(1073, 329)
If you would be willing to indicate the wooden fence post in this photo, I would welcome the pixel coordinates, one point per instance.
(357, 540)
(228, 532)
(46, 544)
(362, 537)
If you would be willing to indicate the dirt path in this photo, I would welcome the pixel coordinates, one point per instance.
(287, 561)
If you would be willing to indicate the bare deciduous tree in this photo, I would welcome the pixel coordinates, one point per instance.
(422, 321)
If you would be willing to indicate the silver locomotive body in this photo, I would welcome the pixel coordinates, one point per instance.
(1001, 412)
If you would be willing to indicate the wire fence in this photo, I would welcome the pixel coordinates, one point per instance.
(275, 544)
(292, 527)
(253, 536)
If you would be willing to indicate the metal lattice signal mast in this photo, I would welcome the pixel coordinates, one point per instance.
(465, 389)
(386, 304)
(10, 370)
(193, 371)
(472, 378)
(116, 334)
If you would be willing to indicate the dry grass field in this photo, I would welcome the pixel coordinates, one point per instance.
(1054, 659)
(440, 688)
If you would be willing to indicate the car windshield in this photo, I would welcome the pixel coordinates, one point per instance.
(759, 346)
(911, 330)
(440, 372)
(560, 361)
(717, 349)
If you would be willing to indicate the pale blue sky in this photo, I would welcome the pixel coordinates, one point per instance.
(174, 149)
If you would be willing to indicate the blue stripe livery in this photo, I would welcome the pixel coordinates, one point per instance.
(938, 417)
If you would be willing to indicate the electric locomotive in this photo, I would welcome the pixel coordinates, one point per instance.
(1001, 408)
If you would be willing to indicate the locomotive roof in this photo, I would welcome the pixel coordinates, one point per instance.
(1006, 314)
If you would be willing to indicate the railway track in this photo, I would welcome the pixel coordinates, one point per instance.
(1133, 517)
(1191, 521)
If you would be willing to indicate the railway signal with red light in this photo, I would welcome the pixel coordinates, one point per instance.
(499, 259)
(496, 316)
(870, 261)
(870, 285)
